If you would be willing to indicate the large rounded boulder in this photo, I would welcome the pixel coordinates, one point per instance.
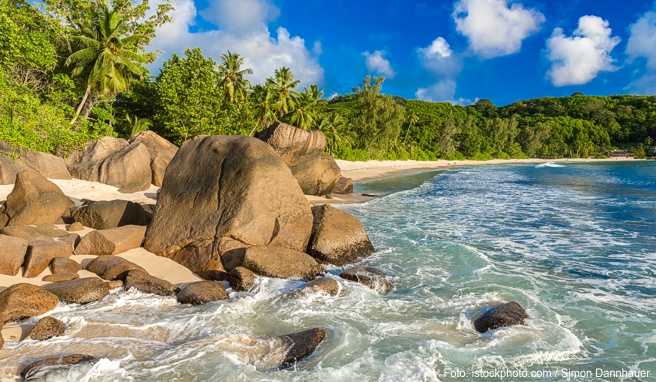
(161, 153)
(222, 194)
(302, 151)
(337, 236)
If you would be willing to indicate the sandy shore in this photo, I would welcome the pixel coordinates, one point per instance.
(373, 169)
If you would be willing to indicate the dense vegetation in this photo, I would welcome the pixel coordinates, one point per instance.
(72, 70)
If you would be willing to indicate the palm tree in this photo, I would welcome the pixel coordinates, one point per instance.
(232, 77)
(307, 110)
(283, 96)
(109, 57)
(264, 112)
(332, 125)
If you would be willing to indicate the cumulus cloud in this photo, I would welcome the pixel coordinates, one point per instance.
(378, 64)
(579, 58)
(495, 28)
(439, 60)
(242, 27)
(642, 44)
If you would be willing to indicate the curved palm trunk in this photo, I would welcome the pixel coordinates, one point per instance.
(81, 105)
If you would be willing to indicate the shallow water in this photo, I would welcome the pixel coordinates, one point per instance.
(575, 245)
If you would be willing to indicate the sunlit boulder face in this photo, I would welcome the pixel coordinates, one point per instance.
(161, 152)
(14, 159)
(303, 151)
(223, 194)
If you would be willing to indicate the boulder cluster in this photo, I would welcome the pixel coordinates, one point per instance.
(229, 209)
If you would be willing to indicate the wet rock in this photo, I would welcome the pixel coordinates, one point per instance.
(47, 328)
(61, 265)
(35, 200)
(241, 279)
(343, 186)
(302, 151)
(112, 267)
(201, 292)
(280, 262)
(21, 301)
(110, 214)
(500, 316)
(368, 276)
(41, 252)
(338, 237)
(80, 291)
(111, 241)
(146, 283)
(39, 368)
(223, 193)
(325, 285)
(12, 254)
(60, 277)
(161, 153)
(301, 345)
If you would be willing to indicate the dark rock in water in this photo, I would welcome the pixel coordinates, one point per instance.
(112, 267)
(80, 291)
(343, 186)
(47, 328)
(21, 301)
(38, 368)
(337, 236)
(302, 151)
(201, 292)
(500, 316)
(326, 285)
(241, 279)
(111, 214)
(41, 253)
(35, 200)
(111, 241)
(280, 262)
(146, 283)
(60, 265)
(60, 277)
(224, 193)
(161, 153)
(368, 276)
(12, 254)
(300, 345)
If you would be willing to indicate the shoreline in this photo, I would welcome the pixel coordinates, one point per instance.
(377, 169)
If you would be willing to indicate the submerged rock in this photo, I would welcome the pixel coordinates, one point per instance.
(111, 241)
(111, 214)
(368, 276)
(38, 368)
(12, 254)
(280, 262)
(146, 283)
(222, 193)
(337, 236)
(112, 267)
(300, 345)
(80, 291)
(47, 328)
(201, 292)
(325, 285)
(35, 200)
(508, 314)
(21, 301)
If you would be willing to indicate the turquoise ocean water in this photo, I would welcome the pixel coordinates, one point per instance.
(575, 244)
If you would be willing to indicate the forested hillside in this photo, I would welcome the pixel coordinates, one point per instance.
(73, 70)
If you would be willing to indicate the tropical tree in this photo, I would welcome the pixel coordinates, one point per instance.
(281, 91)
(308, 108)
(232, 77)
(110, 49)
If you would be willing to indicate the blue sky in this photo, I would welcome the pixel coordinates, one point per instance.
(441, 50)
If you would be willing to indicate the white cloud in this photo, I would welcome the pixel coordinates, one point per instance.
(439, 59)
(495, 28)
(578, 59)
(642, 44)
(378, 64)
(244, 30)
